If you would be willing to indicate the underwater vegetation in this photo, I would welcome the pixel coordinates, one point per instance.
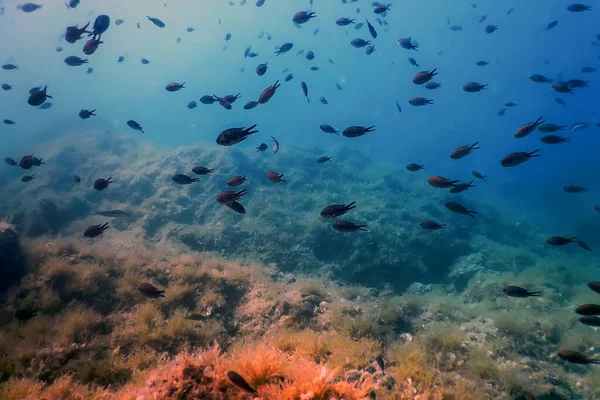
(189, 226)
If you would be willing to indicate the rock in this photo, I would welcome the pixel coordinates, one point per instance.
(464, 268)
(12, 266)
(419, 288)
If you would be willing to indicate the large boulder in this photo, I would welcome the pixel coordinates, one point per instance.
(12, 266)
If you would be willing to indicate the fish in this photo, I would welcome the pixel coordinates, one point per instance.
(429, 225)
(135, 126)
(347, 226)
(458, 208)
(275, 177)
(329, 129)
(517, 291)
(337, 210)
(576, 357)
(156, 21)
(233, 376)
(112, 213)
(379, 360)
(101, 183)
(357, 131)
(372, 30)
(85, 114)
(230, 195)
(25, 314)
(275, 147)
(464, 151)
(184, 179)
(232, 136)
(304, 88)
(414, 167)
(149, 290)
(200, 170)
(518, 158)
(95, 230)
(398, 107)
(588, 309)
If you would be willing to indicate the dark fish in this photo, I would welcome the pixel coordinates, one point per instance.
(482, 63)
(85, 114)
(112, 213)
(174, 87)
(517, 291)
(237, 181)
(439, 182)
(338, 86)
(274, 176)
(6, 86)
(101, 184)
(461, 187)
(237, 207)
(590, 320)
(595, 286)
(10, 161)
(407, 43)
(9, 67)
(372, 30)
(302, 17)
(358, 43)
(231, 98)
(540, 78)
(95, 230)
(28, 162)
(75, 61)
(463, 151)
(517, 158)
(27, 178)
(414, 167)
(232, 136)
(336, 210)
(304, 88)
(266, 94)
(230, 195)
(344, 21)
(261, 69)
(379, 360)
(119, 21)
(561, 241)
(90, 70)
(135, 126)
(207, 99)
(250, 105)
(29, 7)
(491, 28)
(576, 357)
(574, 189)
(9, 122)
(228, 37)
(414, 62)
(192, 104)
(458, 208)
(551, 25)
(38, 98)
(347, 226)
(431, 225)
(424, 76)
(200, 170)
(356, 131)
(560, 101)
(190, 30)
(73, 33)
(261, 147)
(473, 87)
(233, 376)
(323, 100)
(310, 55)
(588, 70)
(324, 159)
(478, 175)
(25, 314)
(588, 309)
(398, 107)
(149, 290)
(329, 129)
(419, 101)
(184, 179)
(76, 179)
(259, 3)
(145, 61)
(578, 7)
(101, 25)
(284, 48)
(359, 25)
(156, 21)
(382, 8)
(91, 46)
(549, 128)
(432, 85)
(370, 50)
(289, 77)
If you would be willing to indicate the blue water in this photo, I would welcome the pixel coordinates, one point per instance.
(371, 85)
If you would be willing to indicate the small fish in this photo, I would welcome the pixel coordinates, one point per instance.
(429, 225)
(478, 175)
(112, 213)
(588, 309)
(414, 62)
(184, 179)
(149, 290)
(156, 21)
(372, 30)
(323, 100)
(233, 376)
(347, 226)
(578, 126)
(551, 25)
(275, 147)
(576, 357)
(145, 61)
(304, 87)
(414, 167)
(95, 230)
(482, 63)
(379, 360)
(25, 314)
(398, 107)
(192, 104)
(517, 291)
(135, 126)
